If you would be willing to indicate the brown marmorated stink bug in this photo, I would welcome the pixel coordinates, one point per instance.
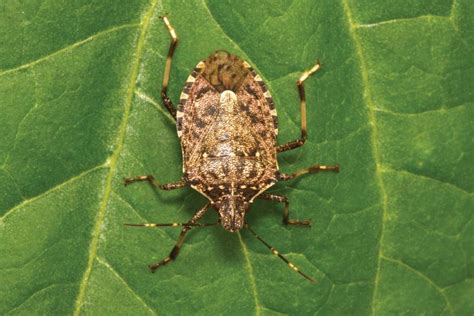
(227, 125)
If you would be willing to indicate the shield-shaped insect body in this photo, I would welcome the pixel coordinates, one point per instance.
(227, 124)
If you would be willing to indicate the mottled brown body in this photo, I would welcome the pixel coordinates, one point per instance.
(227, 124)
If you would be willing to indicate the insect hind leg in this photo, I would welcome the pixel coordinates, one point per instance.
(187, 227)
(300, 85)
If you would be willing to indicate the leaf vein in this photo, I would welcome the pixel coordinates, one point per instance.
(36, 293)
(424, 277)
(367, 96)
(68, 48)
(155, 104)
(53, 189)
(386, 169)
(399, 20)
(135, 67)
(15, 140)
(161, 232)
(442, 109)
(15, 183)
(121, 279)
(447, 287)
(251, 275)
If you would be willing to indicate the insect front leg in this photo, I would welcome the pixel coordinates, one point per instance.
(312, 169)
(187, 227)
(166, 75)
(152, 181)
(286, 212)
(300, 85)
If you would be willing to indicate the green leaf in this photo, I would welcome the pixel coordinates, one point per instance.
(80, 109)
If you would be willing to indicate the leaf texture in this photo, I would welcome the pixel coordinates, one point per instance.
(81, 109)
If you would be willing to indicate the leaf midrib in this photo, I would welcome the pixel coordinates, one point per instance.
(379, 169)
(367, 93)
(112, 161)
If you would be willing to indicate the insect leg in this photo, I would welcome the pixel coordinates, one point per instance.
(166, 75)
(286, 213)
(175, 251)
(275, 252)
(300, 85)
(167, 186)
(312, 169)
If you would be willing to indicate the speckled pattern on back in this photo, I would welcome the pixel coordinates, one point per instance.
(233, 147)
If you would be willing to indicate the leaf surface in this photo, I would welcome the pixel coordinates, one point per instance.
(80, 109)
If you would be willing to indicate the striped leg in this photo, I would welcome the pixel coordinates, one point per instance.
(167, 186)
(286, 213)
(175, 251)
(166, 75)
(172, 224)
(312, 169)
(300, 84)
(275, 252)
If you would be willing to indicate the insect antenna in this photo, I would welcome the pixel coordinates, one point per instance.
(275, 252)
(172, 224)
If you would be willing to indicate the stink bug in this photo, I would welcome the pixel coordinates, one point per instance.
(227, 125)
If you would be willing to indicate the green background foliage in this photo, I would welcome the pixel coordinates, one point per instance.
(393, 105)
